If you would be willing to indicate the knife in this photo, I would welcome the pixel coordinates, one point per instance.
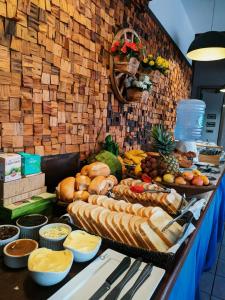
(124, 264)
(114, 294)
(146, 272)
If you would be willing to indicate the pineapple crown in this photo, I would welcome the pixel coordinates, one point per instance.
(162, 140)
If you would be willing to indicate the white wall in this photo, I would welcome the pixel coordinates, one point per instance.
(174, 19)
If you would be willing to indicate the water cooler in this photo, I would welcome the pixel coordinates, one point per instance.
(189, 124)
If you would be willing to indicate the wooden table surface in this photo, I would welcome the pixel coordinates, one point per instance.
(17, 284)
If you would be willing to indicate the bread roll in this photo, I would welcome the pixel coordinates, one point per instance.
(99, 186)
(112, 180)
(84, 170)
(96, 169)
(81, 195)
(82, 183)
(66, 189)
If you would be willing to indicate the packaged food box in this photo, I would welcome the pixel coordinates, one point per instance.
(31, 163)
(34, 205)
(10, 166)
(21, 186)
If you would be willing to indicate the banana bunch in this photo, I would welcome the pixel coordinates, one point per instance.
(134, 157)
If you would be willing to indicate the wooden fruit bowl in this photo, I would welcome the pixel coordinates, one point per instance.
(189, 190)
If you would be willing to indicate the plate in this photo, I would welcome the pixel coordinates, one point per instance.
(85, 284)
(189, 190)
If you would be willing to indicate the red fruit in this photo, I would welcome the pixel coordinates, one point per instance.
(197, 180)
(137, 189)
(146, 178)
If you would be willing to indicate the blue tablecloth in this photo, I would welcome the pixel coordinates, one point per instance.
(203, 251)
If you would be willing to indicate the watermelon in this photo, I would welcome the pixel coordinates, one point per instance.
(112, 161)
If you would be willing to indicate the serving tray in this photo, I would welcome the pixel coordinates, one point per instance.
(85, 284)
(189, 190)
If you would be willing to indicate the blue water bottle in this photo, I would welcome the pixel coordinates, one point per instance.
(190, 119)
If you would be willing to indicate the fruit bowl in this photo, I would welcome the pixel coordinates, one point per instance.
(188, 189)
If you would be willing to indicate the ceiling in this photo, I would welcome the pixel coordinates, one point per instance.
(200, 14)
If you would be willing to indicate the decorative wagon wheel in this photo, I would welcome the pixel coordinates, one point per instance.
(118, 75)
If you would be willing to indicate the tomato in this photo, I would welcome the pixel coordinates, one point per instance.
(137, 189)
(146, 178)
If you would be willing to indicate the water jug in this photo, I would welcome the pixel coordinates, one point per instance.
(190, 119)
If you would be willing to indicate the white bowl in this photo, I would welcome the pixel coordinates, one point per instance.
(17, 261)
(31, 232)
(81, 256)
(53, 243)
(49, 278)
(11, 239)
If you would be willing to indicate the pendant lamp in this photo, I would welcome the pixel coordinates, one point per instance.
(208, 46)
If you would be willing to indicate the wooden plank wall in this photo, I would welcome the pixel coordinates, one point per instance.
(55, 91)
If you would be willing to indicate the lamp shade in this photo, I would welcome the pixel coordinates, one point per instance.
(207, 46)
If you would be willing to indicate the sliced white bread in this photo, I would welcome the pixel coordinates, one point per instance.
(113, 229)
(92, 199)
(103, 223)
(116, 220)
(135, 234)
(84, 221)
(145, 212)
(151, 237)
(95, 218)
(158, 220)
(124, 222)
(74, 212)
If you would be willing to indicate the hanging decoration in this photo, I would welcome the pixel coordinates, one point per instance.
(130, 67)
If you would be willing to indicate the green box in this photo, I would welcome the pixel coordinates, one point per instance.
(31, 163)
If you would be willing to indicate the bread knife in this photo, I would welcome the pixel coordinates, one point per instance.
(123, 266)
(114, 294)
(146, 272)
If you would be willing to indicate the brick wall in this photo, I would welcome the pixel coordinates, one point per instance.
(55, 91)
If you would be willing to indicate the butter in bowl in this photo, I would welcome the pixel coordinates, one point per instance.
(83, 245)
(48, 267)
(17, 252)
(53, 235)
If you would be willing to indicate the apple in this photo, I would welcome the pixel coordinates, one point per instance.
(188, 175)
(197, 180)
(180, 180)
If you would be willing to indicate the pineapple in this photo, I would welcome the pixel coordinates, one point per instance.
(163, 142)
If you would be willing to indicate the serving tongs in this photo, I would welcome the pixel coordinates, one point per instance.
(139, 189)
(183, 212)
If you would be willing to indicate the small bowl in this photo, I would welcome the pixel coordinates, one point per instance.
(11, 239)
(54, 243)
(31, 232)
(16, 261)
(81, 256)
(49, 278)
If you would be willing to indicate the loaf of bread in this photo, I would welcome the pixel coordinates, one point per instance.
(131, 224)
(169, 201)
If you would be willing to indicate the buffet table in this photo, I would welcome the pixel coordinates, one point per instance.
(197, 255)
